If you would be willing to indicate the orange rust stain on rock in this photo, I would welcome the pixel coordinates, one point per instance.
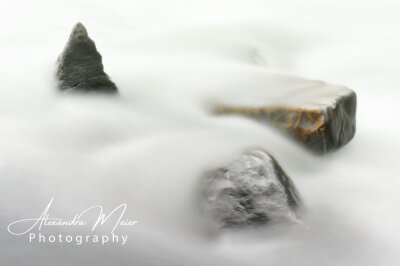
(248, 111)
(301, 122)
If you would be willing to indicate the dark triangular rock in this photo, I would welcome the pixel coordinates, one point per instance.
(80, 66)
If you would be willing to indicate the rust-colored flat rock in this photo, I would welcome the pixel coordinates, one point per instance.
(320, 116)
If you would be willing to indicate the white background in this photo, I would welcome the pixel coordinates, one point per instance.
(148, 147)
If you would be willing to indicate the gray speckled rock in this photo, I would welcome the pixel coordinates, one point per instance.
(80, 66)
(252, 190)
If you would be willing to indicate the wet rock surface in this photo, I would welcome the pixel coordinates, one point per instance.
(322, 118)
(80, 66)
(252, 190)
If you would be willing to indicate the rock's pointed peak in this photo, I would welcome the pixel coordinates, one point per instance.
(79, 31)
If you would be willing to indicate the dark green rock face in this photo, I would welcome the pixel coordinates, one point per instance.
(80, 66)
(341, 123)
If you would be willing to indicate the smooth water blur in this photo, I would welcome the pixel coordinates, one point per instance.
(149, 145)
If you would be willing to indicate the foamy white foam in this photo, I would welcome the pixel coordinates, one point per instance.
(149, 146)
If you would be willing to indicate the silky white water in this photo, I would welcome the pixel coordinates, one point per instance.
(149, 146)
